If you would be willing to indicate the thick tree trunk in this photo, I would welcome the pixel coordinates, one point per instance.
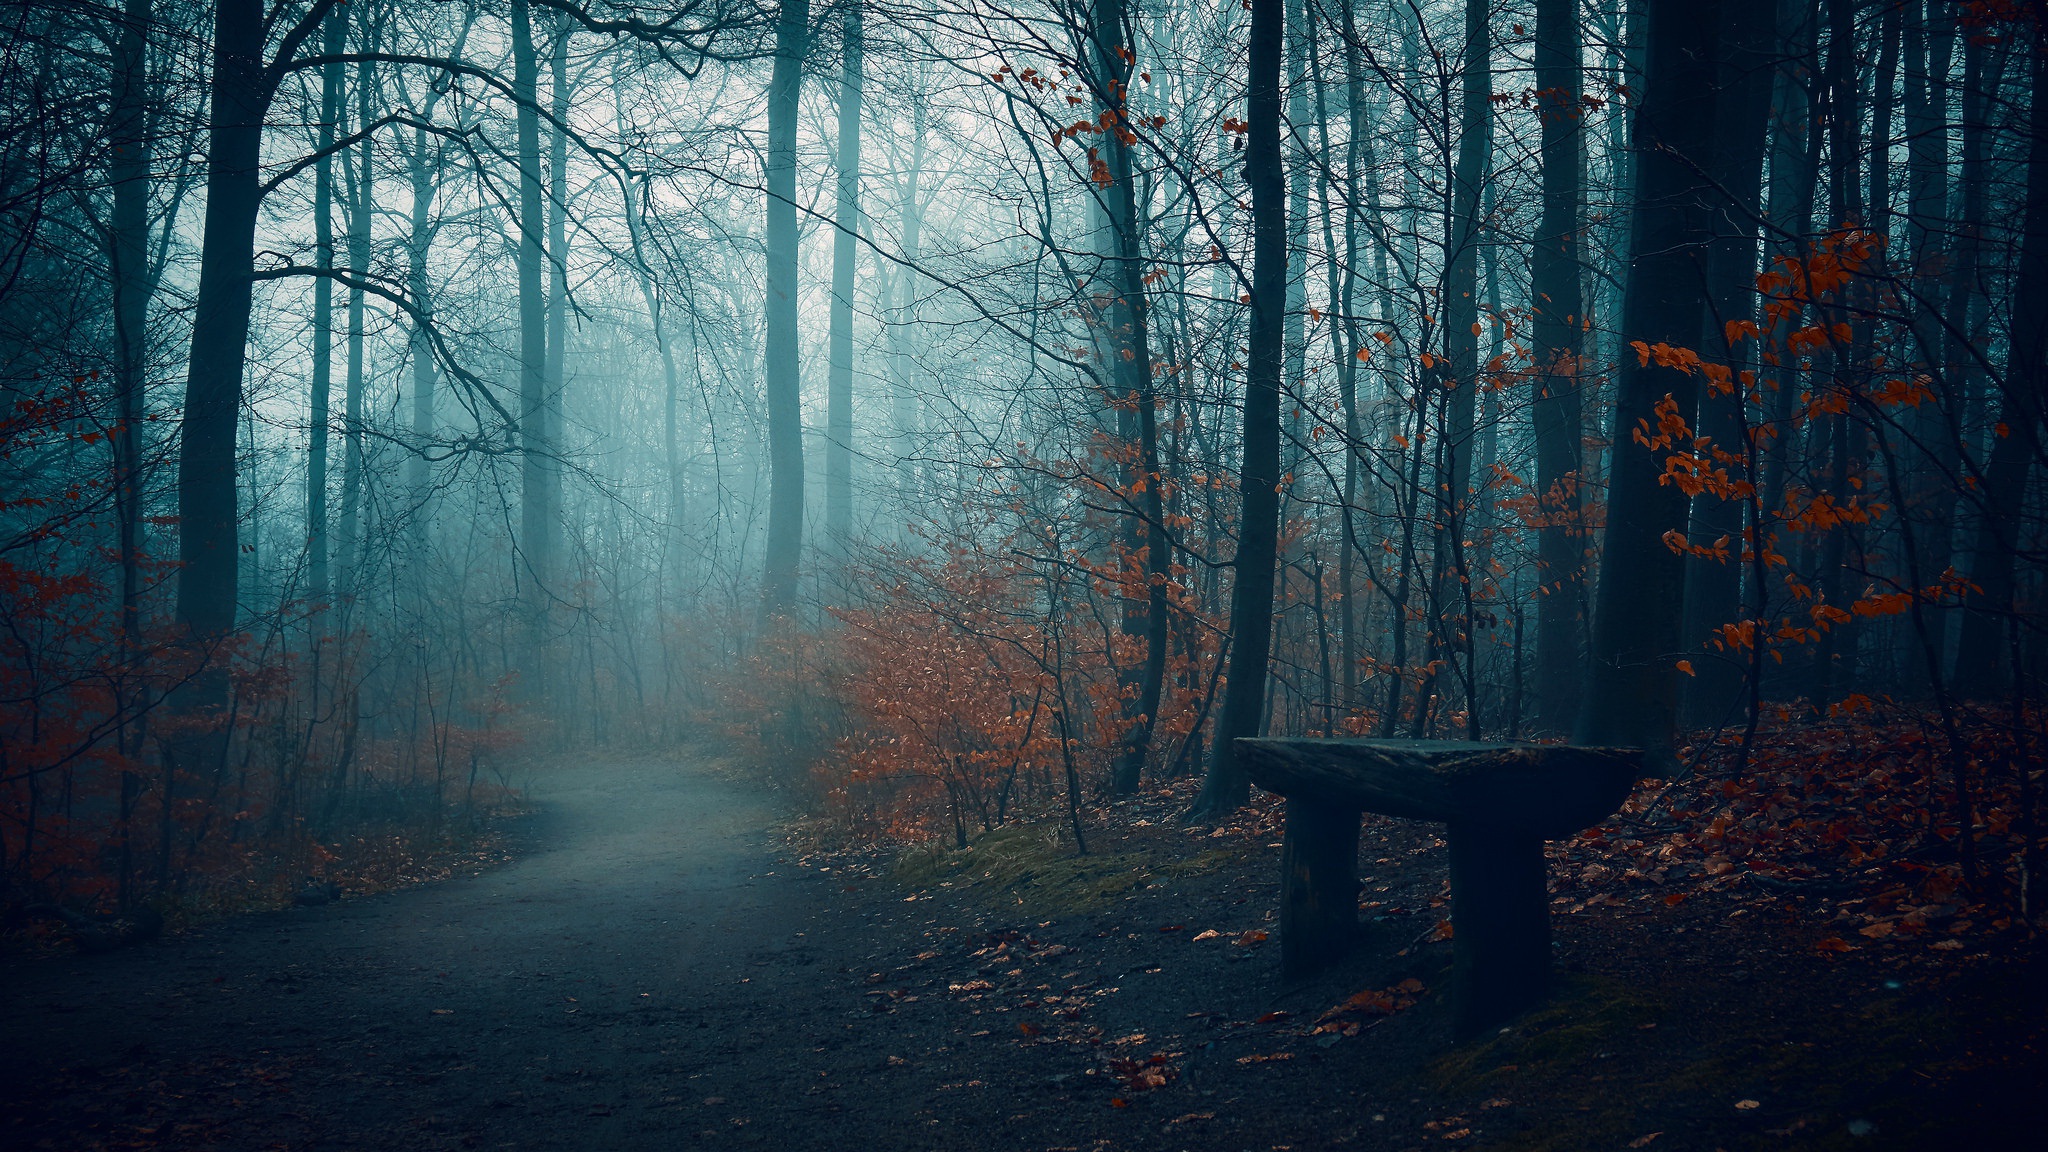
(839, 397)
(1981, 661)
(1132, 370)
(1632, 692)
(207, 496)
(1251, 604)
(535, 530)
(783, 385)
(131, 283)
(1559, 329)
(1713, 588)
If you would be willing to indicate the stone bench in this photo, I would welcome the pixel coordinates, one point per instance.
(1500, 801)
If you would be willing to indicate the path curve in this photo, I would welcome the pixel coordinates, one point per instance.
(573, 999)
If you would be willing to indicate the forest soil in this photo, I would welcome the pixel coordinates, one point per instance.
(656, 971)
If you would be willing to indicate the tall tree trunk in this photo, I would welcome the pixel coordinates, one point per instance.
(1795, 176)
(1632, 692)
(557, 381)
(1933, 456)
(419, 241)
(1846, 209)
(1981, 666)
(1451, 605)
(784, 387)
(839, 389)
(335, 33)
(208, 498)
(348, 542)
(1251, 604)
(1559, 331)
(1713, 588)
(535, 529)
(130, 280)
(1114, 64)
(904, 401)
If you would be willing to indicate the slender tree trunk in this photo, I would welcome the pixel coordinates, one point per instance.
(839, 398)
(1559, 331)
(348, 540)
(1632, 691)
(1451, 608)
(419, 242)
(784, 387)
(1251, 609)
(557, 378)
(332, 75)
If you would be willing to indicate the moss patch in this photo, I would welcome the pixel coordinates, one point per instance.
(1034, 870)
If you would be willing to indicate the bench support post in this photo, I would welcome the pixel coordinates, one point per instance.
(1500, 912)
(1318, 885)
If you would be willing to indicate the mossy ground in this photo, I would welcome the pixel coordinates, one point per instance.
(1033, 871)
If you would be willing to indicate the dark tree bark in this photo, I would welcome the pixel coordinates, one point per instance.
(239, 96)
(334, 40)
(129, 277)
(783, 386)
(1451, 612)
(1131, 368)
(1982, 665)
(1559, 329)
(1251, 604)
(1713, 590)
(348, 540)
(839, 399)
(1632, 691)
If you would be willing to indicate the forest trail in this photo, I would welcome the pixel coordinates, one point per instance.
(565, 1000)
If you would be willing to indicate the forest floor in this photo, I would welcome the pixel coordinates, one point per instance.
(656, 969)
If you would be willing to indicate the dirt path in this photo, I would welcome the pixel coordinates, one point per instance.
(567, 1000)
(650, 974)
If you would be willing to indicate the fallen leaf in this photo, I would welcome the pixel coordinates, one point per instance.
(1269, 1017)
(1877, 931)
(1207, 934)
(1747, 1105)
(444, 1011)
(1644, 1141)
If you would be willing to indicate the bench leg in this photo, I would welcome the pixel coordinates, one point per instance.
(1500, 913)
(1318, 885)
